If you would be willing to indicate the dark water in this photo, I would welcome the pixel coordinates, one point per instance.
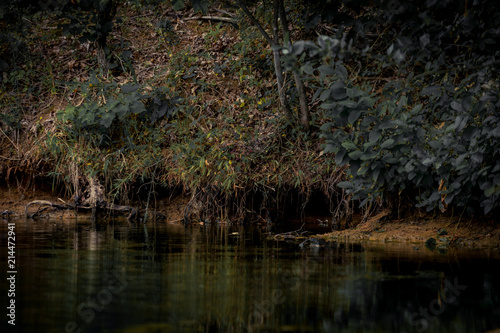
(75, 277)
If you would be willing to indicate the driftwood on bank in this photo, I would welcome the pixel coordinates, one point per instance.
(44, 204)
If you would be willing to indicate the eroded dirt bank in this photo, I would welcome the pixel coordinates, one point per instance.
(448, 232)
(419, 230)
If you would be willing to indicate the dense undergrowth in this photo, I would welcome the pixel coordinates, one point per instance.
(198, 111)
(192, 105)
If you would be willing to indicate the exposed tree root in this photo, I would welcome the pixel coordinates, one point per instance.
(44, 204)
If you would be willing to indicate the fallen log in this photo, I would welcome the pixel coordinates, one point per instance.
(41, 203)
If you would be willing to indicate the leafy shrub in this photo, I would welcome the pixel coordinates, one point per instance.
(116, 111)
(432, 131)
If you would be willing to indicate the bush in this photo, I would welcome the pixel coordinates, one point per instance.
(432, 130)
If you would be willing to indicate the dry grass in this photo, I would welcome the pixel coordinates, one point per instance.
(227, 143)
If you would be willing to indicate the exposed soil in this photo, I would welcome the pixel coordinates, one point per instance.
(13, 206)
(448, 232)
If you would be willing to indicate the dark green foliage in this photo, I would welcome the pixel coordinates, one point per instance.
(90, 19)
(118, 111)
(432, 131)
(13, 31)
(198, 5)
(11, 117)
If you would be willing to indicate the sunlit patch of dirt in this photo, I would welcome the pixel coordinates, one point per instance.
(446, 231)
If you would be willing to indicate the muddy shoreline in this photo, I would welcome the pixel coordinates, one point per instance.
(448, 232)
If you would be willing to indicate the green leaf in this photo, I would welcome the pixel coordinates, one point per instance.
(429, 91)
(457, 106)
(325, 94)
(363, 170)
(326, 127)
(330, 149)
(112, 103)
(178, 4)
(409, 167)
(416, 109)
(345, 184)
(326, 70)
(308, 69)
(107, 119)
(387, 124)
(338, 90)
(298, 47)
(390, 49)
(200, 6)
(387, 143)
(374, 135)
(328, 105)
(356, 155)
(88, 118)
(353, 116)
(339, 157)
(349, 145)
(341, 71)
(137, 107)
(491, 190)
(121, 111)
(129, 88)
(488, 207)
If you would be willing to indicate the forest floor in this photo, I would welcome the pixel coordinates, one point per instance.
(448, 232)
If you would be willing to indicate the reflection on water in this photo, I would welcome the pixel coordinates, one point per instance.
(73, 277)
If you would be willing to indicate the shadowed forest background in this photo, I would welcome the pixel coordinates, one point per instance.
(266, 108)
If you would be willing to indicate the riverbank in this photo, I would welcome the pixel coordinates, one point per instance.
(189, 124)
(448, 232)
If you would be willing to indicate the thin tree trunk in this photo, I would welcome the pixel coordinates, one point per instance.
(277, 65)
(101, 56)
(106, 13)
(305, 117)
(274, 42)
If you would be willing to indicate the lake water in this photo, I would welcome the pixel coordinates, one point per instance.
(76, 277)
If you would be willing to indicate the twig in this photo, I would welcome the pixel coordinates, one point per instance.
(224, 12)
(293, 233)
(11, 159)
(17, 148)
(212, 18)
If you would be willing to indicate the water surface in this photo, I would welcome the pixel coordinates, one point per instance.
(73, 276)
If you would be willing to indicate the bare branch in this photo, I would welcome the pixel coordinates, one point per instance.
(255, 22)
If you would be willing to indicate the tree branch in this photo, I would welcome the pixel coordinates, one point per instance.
(255, 22)
(213, 18)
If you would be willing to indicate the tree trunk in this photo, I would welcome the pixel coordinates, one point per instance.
(277, 64)
(281, 88)
(305, 117)
(274, 42)
(106, 13)
(101, 56)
